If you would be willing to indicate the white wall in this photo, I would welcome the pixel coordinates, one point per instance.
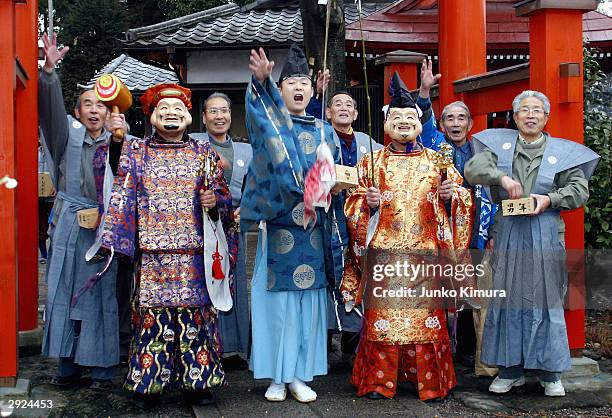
(227, 66)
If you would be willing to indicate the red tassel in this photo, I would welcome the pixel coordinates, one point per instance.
(217, 270)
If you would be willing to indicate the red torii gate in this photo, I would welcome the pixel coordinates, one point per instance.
(18, 159)
(555, 68)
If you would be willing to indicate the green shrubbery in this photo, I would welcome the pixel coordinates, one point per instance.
(597, 131)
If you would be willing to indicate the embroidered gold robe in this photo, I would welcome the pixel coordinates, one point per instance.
(412, 217)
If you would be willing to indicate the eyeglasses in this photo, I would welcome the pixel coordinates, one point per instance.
(218, 111)
(535, 111)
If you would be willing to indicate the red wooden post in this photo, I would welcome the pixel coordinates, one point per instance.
(462, 47)
(555, 33)
(26, 152)
(494, 99)
(406, 64)
(8, 271)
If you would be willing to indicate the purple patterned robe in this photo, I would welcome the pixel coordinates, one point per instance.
(154, 204)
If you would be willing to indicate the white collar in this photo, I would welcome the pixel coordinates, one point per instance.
(536, 142)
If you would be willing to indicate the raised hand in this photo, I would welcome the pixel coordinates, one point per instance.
(428, 79)
(322, 81)
(117, 121)
(52, 54)
(259, 65)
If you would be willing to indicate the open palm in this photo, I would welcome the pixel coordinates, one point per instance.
(259, 65)
(52, 54)
(428, 79)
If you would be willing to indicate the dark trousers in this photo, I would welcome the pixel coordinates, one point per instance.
(44, 210)
(125, 274)
(67, 367)
(466, 334)
(514, 372)
(349, 342)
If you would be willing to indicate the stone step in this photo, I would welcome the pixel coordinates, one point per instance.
(582, 367)
(22, 388)
(31, 338)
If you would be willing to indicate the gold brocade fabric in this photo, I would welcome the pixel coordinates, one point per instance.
(412, 217)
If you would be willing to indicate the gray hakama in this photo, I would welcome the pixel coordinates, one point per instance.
(526, 329)
(235, 324)
(88, 332)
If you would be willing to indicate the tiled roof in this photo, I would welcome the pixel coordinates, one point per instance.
(413, 25)
(136, 75)
(230, 27)
(597, 27)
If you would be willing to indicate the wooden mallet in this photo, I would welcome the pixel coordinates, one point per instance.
(110, 90)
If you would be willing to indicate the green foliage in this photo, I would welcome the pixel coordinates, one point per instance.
(178, 8)
(90, 28)
(597, 134)
(143, 13)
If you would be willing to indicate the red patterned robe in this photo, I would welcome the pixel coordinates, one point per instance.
(401, 341)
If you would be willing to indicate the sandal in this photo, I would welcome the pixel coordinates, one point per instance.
(302, 392)
(100, 385)
(65, 381)
(276, 392)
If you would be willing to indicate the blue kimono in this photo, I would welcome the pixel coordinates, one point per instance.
(485, 209)
(293, 266)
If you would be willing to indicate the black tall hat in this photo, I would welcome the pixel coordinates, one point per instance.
(296, 65)
(400, 96)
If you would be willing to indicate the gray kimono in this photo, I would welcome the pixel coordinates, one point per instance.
(72, 151)
(235, 324)
(337, 316)
(527, 327)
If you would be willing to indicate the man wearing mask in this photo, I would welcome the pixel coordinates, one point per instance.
(342, 112)
(402, 199)
(167, 185)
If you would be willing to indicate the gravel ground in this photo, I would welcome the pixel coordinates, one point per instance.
(244, 396)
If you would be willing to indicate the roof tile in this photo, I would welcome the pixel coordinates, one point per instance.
(136, 75)
(262, 27)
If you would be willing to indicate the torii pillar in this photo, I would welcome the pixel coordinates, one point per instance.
(8, 222)
(18, 159)
(556, 68)
(26, 153)
(462, 47)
